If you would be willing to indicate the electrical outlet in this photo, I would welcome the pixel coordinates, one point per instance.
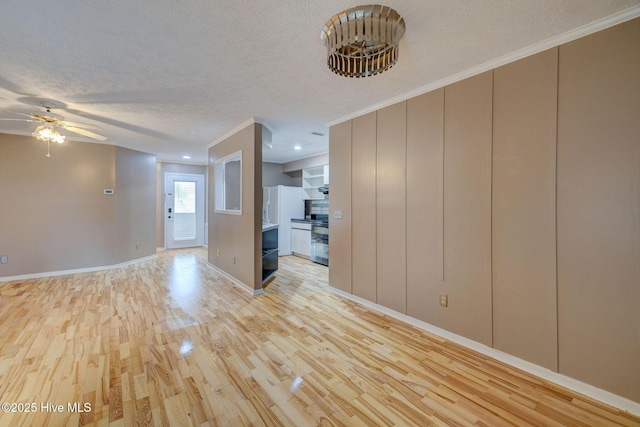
(137, 245)
(234, 259)
(218, 252)
(4, 259)
(444, 300)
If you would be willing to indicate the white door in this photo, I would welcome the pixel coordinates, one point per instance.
(184, 210)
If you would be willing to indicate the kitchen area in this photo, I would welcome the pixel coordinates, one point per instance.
(310, 235)
(300, 214)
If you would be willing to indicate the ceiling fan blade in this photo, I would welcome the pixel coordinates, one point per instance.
(20, 120)
(66, 123)
(86, 133)
(23, 114)
(120, 124)
(31, 117)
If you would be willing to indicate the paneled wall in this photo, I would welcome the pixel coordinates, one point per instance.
(425, 217)
(340, 172)
(598, 205)
(467, 207)
(524, 208)
(363, 199)
(516, 193)
(391, 260)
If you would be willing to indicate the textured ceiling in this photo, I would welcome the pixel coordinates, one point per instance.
(171, 77)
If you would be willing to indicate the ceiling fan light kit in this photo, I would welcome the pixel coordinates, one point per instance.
(47, 131)
(48, 134)
(363, 41)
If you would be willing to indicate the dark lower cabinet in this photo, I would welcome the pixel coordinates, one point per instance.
(269, 253)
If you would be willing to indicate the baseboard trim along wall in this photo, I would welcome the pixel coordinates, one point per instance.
(75, 271)
(239, 283)
(544, 373)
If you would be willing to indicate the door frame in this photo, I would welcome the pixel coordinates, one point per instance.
(169, 177)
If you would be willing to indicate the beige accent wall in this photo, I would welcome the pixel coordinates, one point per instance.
(309, 162)
(425, 150)
(272, 175)
(55, 215)
(484, 157)
(391, 152)
(160, 214)
(467, 207)
(524, 209)
(598, 209)
(239, 236)
(340, 199)
(135, 204)
(363, 200)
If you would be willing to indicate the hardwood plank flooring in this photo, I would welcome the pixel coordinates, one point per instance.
(170, 342)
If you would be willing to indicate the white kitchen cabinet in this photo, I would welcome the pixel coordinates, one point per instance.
(301, 238)
(312, 179)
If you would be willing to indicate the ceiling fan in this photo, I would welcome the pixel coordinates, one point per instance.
(51, 121)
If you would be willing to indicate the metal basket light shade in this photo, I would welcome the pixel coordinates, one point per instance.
(363, 41)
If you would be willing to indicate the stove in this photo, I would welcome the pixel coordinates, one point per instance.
(320, 239)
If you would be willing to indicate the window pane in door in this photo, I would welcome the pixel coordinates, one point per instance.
(184, 201)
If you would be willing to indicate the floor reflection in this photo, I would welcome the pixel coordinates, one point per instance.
(295, 384)
(186, 347)
(185, 285)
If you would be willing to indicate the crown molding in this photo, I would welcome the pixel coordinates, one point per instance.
(576, 33)
(238, 128)
(265, 124)
(232, 132)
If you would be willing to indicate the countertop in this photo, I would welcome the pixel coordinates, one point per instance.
(306, 221)
(314, 218)
(267, 226)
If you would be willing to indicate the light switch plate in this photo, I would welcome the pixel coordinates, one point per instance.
(4, 259)
(337, 214)
(444, 300)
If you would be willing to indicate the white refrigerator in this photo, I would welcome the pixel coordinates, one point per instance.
(279, 205)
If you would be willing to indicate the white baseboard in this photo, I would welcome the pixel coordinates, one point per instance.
(75, 271)
(239, 283)
(593, 392)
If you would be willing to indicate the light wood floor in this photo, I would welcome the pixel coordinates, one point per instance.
(171, 342)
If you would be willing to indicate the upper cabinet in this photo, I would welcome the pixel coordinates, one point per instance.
(314, 178)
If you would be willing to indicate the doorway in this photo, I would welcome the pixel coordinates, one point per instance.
(183, 210)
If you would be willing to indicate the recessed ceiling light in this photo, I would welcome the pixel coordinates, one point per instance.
(186, 157)
(297, 147)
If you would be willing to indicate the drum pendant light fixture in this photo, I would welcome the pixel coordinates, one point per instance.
(363, 41)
